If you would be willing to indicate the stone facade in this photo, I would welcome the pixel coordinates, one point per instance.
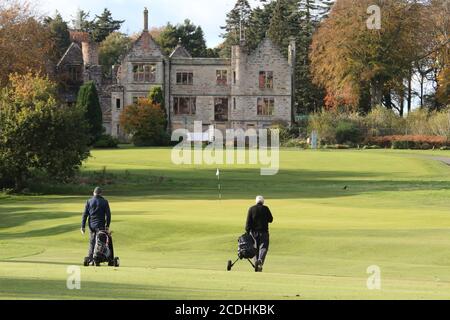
(250, 90)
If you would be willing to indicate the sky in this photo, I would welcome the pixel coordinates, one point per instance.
(209, 14)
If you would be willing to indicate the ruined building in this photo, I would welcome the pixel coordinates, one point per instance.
(250, 90)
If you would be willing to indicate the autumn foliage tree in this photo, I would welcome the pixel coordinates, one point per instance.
(366, 66)
(25, 42)
(38, 137)
(349, 58)
(146, 123)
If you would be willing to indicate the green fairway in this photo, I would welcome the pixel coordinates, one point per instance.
(174, 236)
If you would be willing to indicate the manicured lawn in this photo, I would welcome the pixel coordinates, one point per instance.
(174, 236)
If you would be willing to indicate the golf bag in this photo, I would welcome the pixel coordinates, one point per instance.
(103, 250)
(246, 250)
(246, 247)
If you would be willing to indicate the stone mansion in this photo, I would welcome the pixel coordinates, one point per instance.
(250, 90)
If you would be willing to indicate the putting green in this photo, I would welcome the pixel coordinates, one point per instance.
(174, 236)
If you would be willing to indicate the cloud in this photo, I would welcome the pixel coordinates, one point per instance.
(209, 14)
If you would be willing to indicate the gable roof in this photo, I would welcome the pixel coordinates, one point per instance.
(180, 52)
(267, 43)
(73, 55)
(144, 38)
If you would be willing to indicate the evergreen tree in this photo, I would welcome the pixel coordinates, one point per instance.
(283, 24)
(309, 97)
(104, 25)
(236, 25)
(81, 21)
(191, 36)
(59, 32)
(259, 24)
(89, 102)
(156, 96)
(297, 19)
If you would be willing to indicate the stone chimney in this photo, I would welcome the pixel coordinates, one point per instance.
(146, 19)
(90, 53)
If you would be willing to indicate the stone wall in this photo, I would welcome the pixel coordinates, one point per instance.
(242, 95)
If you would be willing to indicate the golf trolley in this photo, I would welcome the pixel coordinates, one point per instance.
(246, 250)
(103, 251)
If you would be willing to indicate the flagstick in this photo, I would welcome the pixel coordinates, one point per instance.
(218, 184)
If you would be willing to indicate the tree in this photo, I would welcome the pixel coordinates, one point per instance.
(25, 43)
(259, 24)
(188, 34)
(146, 123)
(439, 50)
(295, 19)
(352, 61)
(283, 23)
(112, 50)
(88, 101)
(236, 25)
(103, 25)
(156, 96)
(38, 135)
(81, 21)
(59, 32)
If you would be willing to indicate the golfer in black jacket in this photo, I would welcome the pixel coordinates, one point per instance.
(258, 219)
(99, 214)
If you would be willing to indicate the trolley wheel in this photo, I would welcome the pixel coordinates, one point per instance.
(230, 265)
(97, 263)
(111, 263)
(258, 266)
(86, 261)
(116, 262)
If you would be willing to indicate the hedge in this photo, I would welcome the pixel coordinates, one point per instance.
(410, 142)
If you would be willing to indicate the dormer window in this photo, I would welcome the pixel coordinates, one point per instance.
(145, 73)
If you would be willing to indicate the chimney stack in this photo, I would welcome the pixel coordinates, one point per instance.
(145, 19)
(292, 51)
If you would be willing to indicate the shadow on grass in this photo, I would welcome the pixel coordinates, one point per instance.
(15, 216)
(79, 263)
(47, 232)
(57, 289)
(192, 183)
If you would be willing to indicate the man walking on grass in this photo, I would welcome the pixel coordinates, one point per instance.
(258, 219)
(99, 214)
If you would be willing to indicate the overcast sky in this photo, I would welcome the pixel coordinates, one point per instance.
(209, 14)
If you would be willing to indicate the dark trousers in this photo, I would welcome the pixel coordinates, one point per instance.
(262, 245)
(92, 240)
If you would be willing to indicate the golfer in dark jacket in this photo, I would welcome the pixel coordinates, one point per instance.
(258, 219)
(99, 214)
